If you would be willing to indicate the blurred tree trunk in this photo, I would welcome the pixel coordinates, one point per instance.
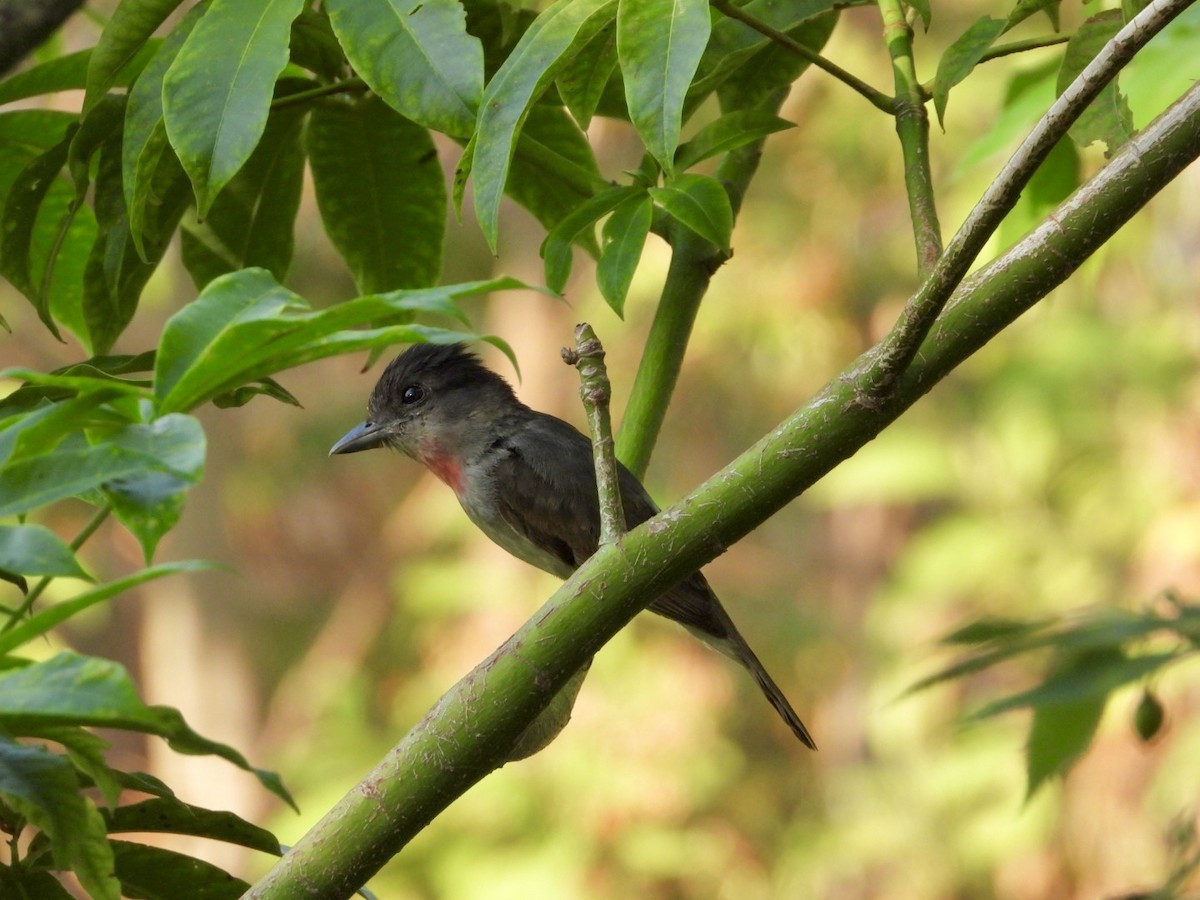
(26, 23)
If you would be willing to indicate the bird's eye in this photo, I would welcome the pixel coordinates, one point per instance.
(414, 393)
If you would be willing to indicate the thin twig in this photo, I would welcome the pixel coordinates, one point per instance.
(1037, 43)
(596, 392)
(875, 97)
(912, 127)
(897, 350)
(349, 86)
(1009, 49)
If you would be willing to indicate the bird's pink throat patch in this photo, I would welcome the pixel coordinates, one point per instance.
(445, 467)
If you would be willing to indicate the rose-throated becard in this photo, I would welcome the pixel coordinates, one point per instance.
(527, 480)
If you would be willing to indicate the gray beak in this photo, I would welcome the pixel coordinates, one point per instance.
(363, 436)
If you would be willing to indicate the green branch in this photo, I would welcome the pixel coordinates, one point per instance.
(899, 347)
(912, 127)
(472, 729)
(875, 97)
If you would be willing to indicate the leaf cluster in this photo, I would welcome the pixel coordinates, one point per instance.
(1092, 654)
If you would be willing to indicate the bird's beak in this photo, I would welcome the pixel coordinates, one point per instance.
(363, 436)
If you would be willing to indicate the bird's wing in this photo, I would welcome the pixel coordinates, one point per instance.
(548, 495)
(546, 490)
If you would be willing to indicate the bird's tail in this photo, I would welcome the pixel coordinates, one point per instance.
(733, 645)
(694, 606)
(776, 697)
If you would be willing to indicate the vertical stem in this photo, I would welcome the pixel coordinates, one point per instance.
(912, 127)
(693, 262)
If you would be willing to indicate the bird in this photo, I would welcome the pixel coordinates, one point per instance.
(526, 480)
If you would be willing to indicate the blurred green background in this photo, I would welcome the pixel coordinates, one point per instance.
(1057, 470)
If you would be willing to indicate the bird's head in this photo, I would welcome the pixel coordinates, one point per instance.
(432, 401)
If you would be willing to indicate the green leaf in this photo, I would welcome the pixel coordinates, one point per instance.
(582, 81)
(245, 326)
(554, 170)
(24, 135)
(124, 39)
(727, 133)
(149, 504)
(32, 883)
(921, 8)
(82, 690)
(381, 193)
(1108, 117)
(1069, 704)
(994, 628)
(59, 74)
(531, 67)
(42, 787)
(315, 47)
(1058, 736)
(1083, 675)
(962, 56)
(171, 816)
(1026, 8)
(30, 483)
(556, 248)
(624, 237)
(417, 56)
(267, 387)
(39, 431)
(251, 221)
(152, 873)
(87, 753)
(1003, 639)
(217, 92)
(773, 67)
(193, 360)
(36, 550)
(116, 271)
(22, 213)
(64, 73)
(99, 125)
(660, 43)
(145, 138)
(96, 375)
(700, 203)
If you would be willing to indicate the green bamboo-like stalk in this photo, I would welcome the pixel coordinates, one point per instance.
(472, 729)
